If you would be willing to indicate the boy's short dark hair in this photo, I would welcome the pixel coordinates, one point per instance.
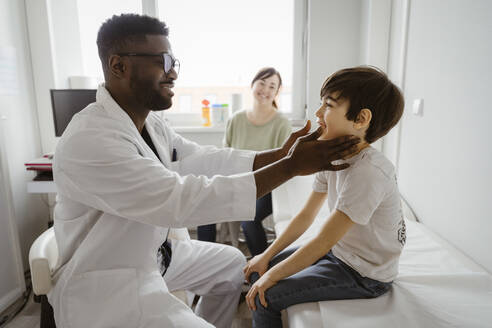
(118, 31)
(367, 87)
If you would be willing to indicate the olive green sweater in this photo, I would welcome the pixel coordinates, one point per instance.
(242, 134)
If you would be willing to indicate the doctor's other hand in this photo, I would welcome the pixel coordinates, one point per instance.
(309, 155)
(259, 264)
(293, 137)
(259, 287)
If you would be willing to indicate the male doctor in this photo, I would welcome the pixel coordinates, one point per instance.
(124, 177)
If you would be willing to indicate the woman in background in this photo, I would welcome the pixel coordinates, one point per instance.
(259, 128)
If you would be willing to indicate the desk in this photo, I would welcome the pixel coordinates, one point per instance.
(42, 183)
(41, 187)
(47, 187)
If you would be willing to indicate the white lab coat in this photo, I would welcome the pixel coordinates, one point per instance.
(115, 203)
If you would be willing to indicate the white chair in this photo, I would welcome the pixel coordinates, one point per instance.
(43, 260)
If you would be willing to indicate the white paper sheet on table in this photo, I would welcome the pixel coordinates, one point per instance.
(433, 289)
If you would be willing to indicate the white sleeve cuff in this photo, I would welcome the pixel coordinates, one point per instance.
(244, 197)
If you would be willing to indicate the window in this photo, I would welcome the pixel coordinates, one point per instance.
(286, 102)
(212, 98)
(221, 45)
(185, 103)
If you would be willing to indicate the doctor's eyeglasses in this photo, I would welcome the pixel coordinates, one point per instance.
(168, 60)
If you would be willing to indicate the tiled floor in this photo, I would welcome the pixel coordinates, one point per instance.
(24, 321)
(29, 316)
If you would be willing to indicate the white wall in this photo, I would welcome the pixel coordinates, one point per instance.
(334, 42)
(22, 132)
(66, 41)
(375, 33)
(56, 55)
(445, 157)
(11, 271)
(396, 68)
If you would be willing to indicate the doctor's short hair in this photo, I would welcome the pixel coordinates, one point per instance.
(116, 33)
(367, 87)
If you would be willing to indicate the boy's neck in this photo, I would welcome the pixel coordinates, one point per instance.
(360, 146)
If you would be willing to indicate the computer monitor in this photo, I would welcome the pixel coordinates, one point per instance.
(66, 103)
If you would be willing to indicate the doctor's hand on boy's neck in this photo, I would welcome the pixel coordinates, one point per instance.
(332, 118)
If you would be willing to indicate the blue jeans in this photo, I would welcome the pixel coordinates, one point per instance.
(207, 232)
(253, 230)
(327, 279)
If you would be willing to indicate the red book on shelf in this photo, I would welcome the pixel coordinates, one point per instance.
(40, 162)
(39, 168)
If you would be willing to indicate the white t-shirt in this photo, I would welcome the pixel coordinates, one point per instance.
(367, 193)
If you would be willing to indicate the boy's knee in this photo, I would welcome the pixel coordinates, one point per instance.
(261, 309)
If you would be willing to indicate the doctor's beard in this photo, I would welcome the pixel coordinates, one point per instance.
(147, 95)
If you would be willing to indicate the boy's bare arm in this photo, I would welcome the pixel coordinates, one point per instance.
(332, 231)
(296, 228)
(298, 225)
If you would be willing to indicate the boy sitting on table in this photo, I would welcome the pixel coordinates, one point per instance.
(355, 254)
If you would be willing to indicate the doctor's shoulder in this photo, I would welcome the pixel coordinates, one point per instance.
(79, 122)
(97, 120)
(92, 131)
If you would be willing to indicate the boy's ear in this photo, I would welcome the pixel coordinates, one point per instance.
(363, 119)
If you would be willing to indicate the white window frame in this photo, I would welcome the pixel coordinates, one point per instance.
(299, 74)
